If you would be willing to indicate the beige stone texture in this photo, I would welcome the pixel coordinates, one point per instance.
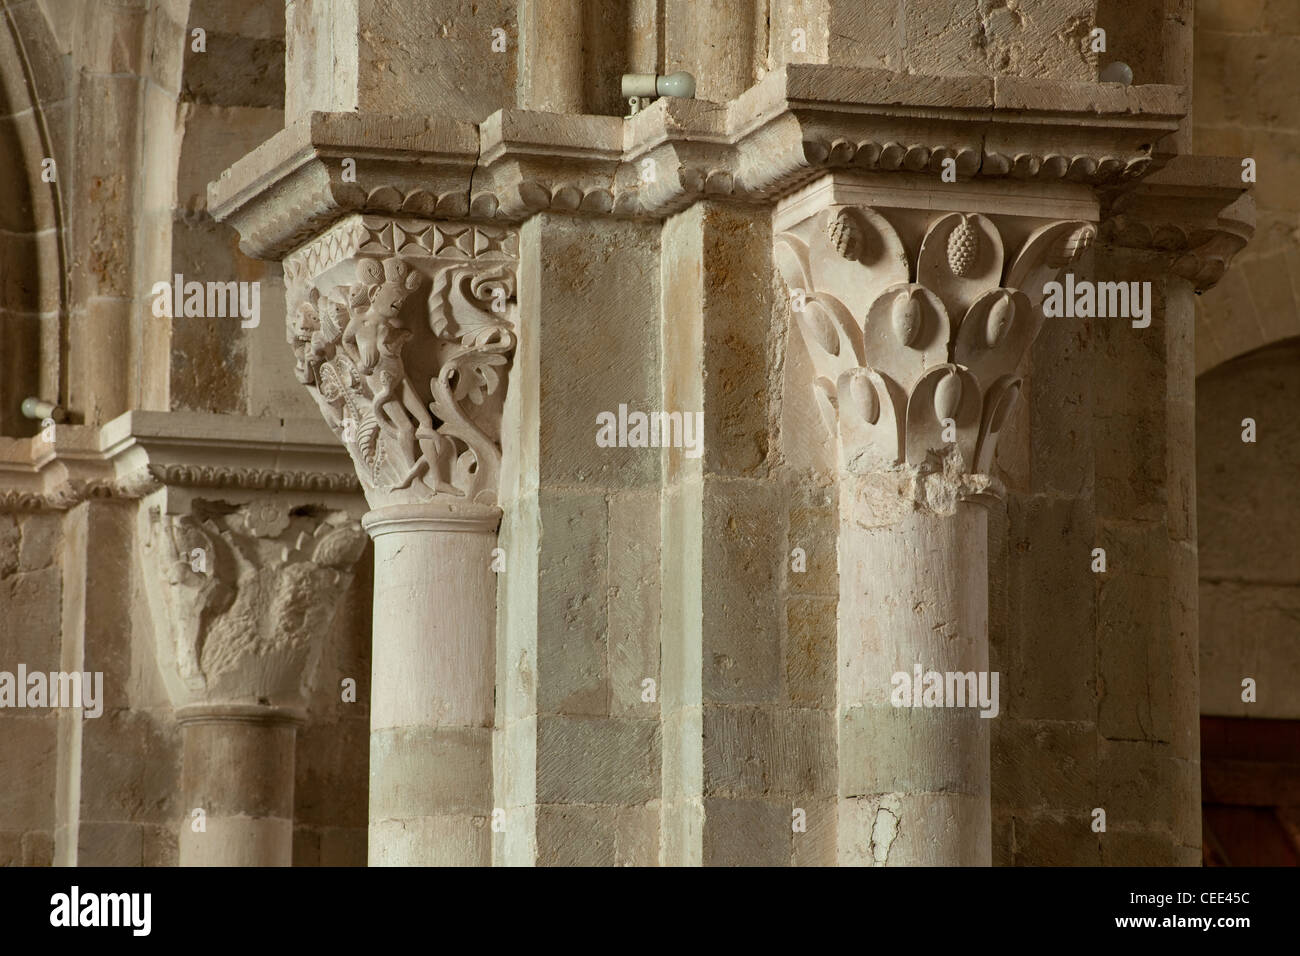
(1244, 58)
(1040, 39)
(579, 614)
(395, 56)
(1248, 564)
(549, 652)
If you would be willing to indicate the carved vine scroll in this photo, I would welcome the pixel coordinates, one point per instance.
(403, 331)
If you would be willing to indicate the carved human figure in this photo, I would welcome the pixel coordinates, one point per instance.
(374, 303)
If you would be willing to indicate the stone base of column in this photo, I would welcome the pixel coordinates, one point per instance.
(238, 769)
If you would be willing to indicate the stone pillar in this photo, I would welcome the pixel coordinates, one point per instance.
(914, 591)
(578, 748)
(237, 767)
(433, 680)
(641, 285)
(915, 323)
(551, 64)
(128, 71)
(240, 596)
(722, 43)
(1177, 230)
(743, 745)
(403, 331)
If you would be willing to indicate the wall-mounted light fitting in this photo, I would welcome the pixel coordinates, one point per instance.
(640, 88)
(41, 410)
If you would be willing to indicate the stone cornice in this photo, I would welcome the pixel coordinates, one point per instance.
(793, 126)
(189, 452)
(292, 187)
(1196, 213)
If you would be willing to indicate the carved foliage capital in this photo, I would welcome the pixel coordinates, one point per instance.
(404, 331)
(242, 596)
(916, 324)
(1187, 239)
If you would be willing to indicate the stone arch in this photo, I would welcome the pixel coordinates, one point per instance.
(1248, 365)
(1249, 604)
(33, 253)
(1254, 307)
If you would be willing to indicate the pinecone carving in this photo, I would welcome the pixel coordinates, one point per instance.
(963, 247)
(846, 236)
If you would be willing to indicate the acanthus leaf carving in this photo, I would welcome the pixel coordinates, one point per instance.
(933, 363)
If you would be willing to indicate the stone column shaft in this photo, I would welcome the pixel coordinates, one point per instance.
(432, 686)
(241, 599)
(913, 594)
(238, 768)
(551, 65)
(915, 371)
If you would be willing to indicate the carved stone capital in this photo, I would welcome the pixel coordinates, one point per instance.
(404, 331)
(916, 322)
(1193, 216)
(241, 597)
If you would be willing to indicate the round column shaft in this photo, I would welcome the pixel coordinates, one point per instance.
(914, 779)
(237, 768)
(432, 685)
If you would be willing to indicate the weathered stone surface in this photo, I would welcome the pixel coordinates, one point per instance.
(810, 652)
(399, 56)
(419, 773)
(1027, 39)
(746, 833)
(750, 752)
(28, 757)
(572, 659)
(235, 70)
(634, 602)
(1060, 841)
(742, 649)
(586, 760)
(511, 661)
(1054, 592)
(1039, 764)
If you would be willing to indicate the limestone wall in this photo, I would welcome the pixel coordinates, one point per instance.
(1245, 67)
(1249, 525)
(1244, 105)
(667, 628)
(30, 578)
